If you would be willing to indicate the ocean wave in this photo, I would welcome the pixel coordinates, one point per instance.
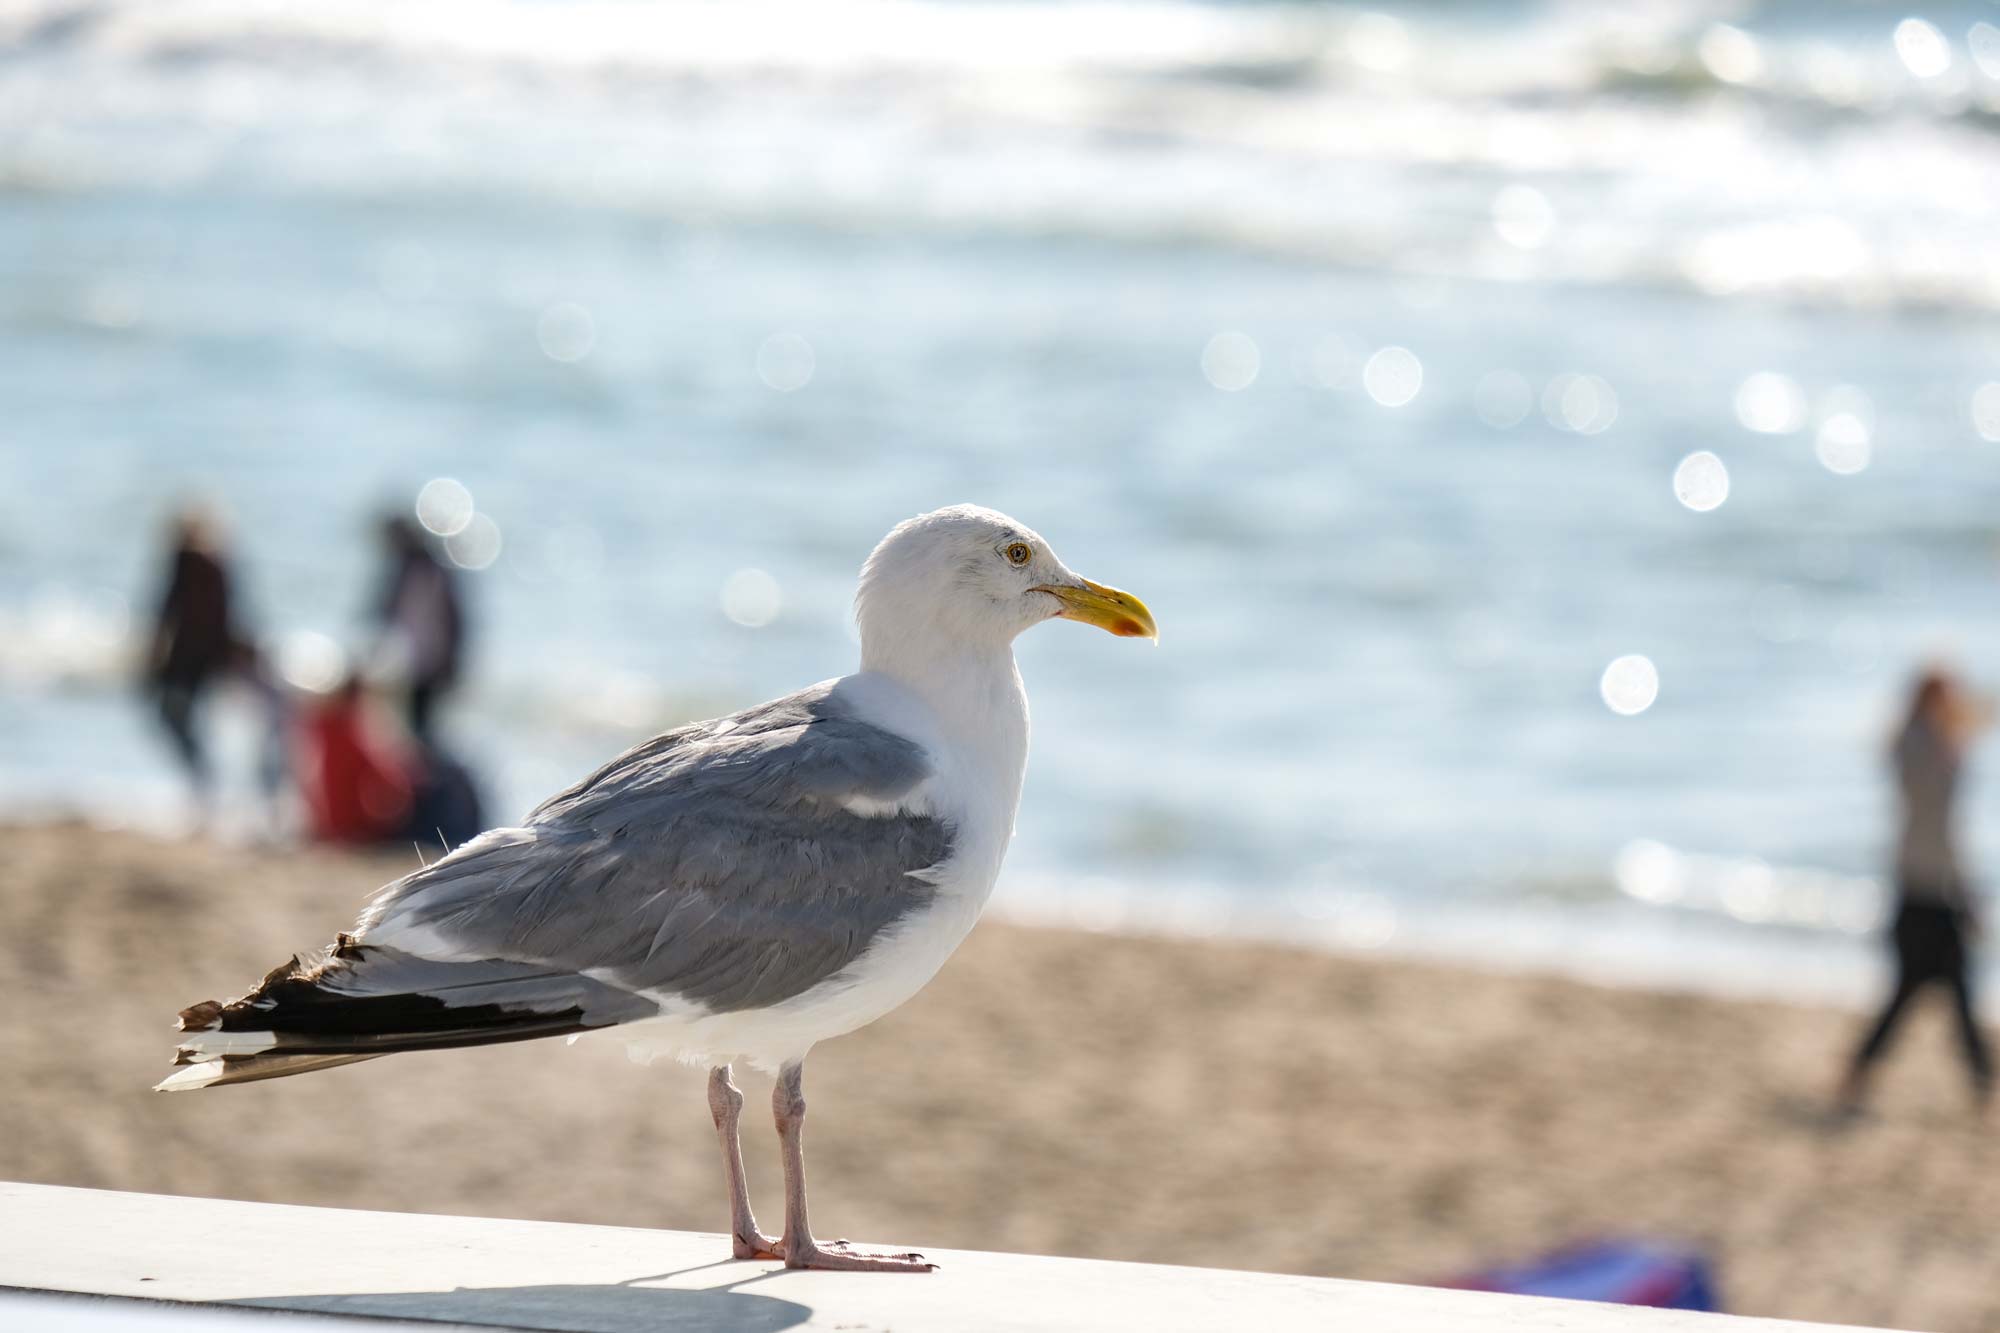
(1749, 890)
(1543, 53)
(67, 639)
(1565, 148)
(1606, 941)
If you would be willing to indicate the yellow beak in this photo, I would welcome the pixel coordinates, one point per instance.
(1107, 608)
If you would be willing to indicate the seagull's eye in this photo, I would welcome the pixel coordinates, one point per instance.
(1019, 554)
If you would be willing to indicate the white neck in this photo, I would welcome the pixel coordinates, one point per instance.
(973, 691)
(972, 695)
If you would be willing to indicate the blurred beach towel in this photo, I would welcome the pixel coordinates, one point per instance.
(1622, 1271)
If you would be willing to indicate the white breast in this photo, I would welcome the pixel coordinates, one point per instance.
(976, 786)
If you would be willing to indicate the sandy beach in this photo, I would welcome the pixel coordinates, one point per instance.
(1239, 1105)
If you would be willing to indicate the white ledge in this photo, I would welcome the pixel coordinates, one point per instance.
(586, 1279)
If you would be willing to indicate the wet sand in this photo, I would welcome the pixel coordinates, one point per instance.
(1174, 1101)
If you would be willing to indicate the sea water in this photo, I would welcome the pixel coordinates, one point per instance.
(1370, 347)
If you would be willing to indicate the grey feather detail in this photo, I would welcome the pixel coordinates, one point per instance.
(356, 977)
(717, 862)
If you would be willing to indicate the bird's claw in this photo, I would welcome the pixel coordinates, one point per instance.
(839, 1257)
(756, 1245)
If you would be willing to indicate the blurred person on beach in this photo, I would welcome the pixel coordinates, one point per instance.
(274, 749)
(194, 641)
(1936, 917)
(354, 770)
(422, 622)
(365, 780)
(446, 809)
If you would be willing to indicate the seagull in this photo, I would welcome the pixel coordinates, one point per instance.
(739, 889)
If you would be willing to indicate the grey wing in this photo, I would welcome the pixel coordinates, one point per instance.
(719, 862)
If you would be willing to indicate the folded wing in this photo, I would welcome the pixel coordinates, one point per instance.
(727, 865)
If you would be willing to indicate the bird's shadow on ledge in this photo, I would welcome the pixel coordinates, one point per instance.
(581, 1308)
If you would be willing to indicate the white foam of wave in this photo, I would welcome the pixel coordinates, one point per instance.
(1668, 49)
(1749, 890)
(64, 637)
(1829, 171)
(866, 37)
(1604, 942)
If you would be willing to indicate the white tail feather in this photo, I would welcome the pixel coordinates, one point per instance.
(190, 1077)
(208, 1045)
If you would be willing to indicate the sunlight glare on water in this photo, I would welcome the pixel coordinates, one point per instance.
(1231, 361)
(477, 545)
(1983, 41)
(1701, 482)
(310, 661)
(1629, 685)
(1585, 404)
(1986, 411)
(444, 507)
(1393, 376)
(1731, 54)
(1647, 870)
(1842, 444)
(1378, 42)
(1923, 50)
(1770, 403)
(751, 598)
(1523, 216)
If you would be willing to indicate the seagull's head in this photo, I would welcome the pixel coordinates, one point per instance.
(976, 577)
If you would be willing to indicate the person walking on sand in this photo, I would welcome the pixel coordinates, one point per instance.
(194, 640)
(1936, 915)
(423, 623)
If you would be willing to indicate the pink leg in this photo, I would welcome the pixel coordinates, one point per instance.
(725, 1103)
(788, 1106)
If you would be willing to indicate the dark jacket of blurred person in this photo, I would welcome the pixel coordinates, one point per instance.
(194, 640)
(1936, 913)
(422, 620)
